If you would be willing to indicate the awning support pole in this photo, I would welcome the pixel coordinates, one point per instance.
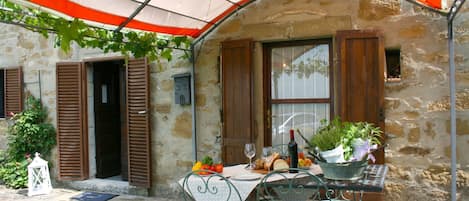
(193, 106)
(457, 4)
(452, 86)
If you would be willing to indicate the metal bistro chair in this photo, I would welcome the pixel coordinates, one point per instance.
(207, 185)
(301, 186)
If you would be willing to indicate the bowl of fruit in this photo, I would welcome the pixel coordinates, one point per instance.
(207, 167)
(304, 162)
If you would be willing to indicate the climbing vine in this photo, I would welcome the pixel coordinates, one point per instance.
(136, 43)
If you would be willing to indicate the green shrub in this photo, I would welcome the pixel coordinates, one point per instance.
(15, 174)
(30, 133)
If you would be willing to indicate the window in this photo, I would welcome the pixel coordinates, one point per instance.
(393, 64)
(300, 88)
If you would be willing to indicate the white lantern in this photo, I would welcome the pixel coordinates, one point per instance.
(38, 177)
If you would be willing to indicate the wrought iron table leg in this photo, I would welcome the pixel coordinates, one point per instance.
(355, 195)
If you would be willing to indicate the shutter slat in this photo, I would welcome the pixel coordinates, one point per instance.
(71, 139)
(138, 124)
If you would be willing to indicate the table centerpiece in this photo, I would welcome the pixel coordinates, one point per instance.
(342, 149)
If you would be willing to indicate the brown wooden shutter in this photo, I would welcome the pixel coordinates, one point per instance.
(361, 87)
(138, 126)
(13, 91)
(72, 137)
(237, 99)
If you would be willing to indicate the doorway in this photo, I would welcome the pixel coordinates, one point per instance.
(76, 119)
(109, 119)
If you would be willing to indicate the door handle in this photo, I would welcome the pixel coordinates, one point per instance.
(142, 112)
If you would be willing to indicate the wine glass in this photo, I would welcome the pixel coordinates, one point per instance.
(266, 151)
(250, 152)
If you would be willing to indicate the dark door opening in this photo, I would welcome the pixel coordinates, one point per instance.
(110, 135)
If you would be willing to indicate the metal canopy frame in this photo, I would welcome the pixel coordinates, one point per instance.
(132, 16)
(176, 13)
(146, 4)
(194, 59)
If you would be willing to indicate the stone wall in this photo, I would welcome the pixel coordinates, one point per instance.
(417, 106)
(37, 57)
(171, 124)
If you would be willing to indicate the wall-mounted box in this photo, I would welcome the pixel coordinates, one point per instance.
(182, 89)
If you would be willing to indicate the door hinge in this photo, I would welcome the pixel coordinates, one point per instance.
(221, 116)
(381, 114)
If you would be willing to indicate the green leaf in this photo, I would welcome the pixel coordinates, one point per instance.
(138, 43)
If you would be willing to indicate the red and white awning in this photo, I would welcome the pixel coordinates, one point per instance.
(176, 17)
(436, 4)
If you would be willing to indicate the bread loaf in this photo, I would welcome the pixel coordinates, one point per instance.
(280, 164)
(269, 161)
(259, 164)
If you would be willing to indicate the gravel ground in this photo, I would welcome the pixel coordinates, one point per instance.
(61, 194)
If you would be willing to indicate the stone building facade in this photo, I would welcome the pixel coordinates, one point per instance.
(417, 107)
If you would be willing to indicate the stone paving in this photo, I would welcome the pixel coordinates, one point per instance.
(62, 194)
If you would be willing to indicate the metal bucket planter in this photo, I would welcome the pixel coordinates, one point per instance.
(335, 155)
(343, 171)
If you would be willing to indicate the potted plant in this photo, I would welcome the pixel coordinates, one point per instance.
(328, 141)
(345, 147)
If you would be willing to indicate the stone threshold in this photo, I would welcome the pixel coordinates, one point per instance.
(106, 186)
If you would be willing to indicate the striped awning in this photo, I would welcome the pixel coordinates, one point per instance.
(436, 4)
(175, 17)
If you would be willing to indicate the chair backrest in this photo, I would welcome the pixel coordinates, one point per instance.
(207, 185)
(280, 185)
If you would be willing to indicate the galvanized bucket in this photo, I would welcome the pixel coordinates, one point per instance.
(343, 171)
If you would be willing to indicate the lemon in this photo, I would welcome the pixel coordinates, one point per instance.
(301, 163)
(197, 166)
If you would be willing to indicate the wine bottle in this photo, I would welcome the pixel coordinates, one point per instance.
(293, 151)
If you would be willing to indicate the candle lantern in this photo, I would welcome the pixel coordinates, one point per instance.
(38, 177)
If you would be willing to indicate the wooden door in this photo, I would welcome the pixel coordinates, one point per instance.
(361, 81)
(72, 136)
(123, 124)
(237, 99)
(107, 119)
(138, 123)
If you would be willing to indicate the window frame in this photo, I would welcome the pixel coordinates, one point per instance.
(267, 80)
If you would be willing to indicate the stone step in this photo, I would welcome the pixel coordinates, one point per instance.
(106, 186)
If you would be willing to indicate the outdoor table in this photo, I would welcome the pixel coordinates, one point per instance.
(372, 181)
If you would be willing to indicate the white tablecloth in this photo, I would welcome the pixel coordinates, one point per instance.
(244, 187)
